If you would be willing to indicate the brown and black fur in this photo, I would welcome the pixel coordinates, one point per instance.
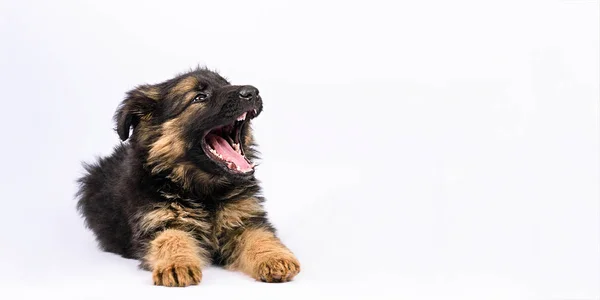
(159, 199)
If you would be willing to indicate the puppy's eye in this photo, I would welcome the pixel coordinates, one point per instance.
(200, 97)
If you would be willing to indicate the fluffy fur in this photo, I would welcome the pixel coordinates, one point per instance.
(161, 199)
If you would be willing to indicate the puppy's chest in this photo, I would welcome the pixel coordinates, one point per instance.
(208, 224)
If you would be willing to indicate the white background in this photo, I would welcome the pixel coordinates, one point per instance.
(414, 149)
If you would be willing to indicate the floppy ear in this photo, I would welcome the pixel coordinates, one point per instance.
(139, 103)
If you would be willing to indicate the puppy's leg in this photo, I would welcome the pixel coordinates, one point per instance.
(257, 252)
(172, 242)
(175, 258)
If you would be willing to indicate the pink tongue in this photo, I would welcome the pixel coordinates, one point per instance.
(227, 152)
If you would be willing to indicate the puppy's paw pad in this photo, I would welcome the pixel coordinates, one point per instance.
(177, 275)
(278, 269)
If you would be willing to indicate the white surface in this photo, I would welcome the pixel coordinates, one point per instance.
(414, 150)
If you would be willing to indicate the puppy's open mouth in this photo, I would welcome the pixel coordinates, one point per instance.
(223, 145)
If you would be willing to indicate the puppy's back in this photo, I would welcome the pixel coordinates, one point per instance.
(101, 202)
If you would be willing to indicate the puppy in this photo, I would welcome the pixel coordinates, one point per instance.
(180, 194)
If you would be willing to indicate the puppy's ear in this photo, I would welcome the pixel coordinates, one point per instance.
(139, 103)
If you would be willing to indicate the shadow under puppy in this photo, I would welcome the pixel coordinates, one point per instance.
(181, 193)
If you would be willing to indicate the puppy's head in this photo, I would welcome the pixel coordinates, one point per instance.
(195, 126)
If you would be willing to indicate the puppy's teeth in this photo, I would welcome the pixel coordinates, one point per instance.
(255, 112)
(242, 117)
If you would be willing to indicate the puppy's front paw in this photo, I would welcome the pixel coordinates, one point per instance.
(177, 274)
(278, 269)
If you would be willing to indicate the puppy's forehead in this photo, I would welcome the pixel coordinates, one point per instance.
(197, 80)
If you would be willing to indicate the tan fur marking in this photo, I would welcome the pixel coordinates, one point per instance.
(149, 91)
(156, 218)
(249, 139)
(182, 217)
(185, 85)
(233, 214)
(175, 259)
(152, 93)
(146, 117)
(179, 173)
(261, 255)
(169, 147)
(145, 131)
(166, 149)
(186, 174)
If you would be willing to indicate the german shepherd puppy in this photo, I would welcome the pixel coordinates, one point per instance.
(180, 193)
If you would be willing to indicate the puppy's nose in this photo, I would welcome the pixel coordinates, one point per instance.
(248, 92)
